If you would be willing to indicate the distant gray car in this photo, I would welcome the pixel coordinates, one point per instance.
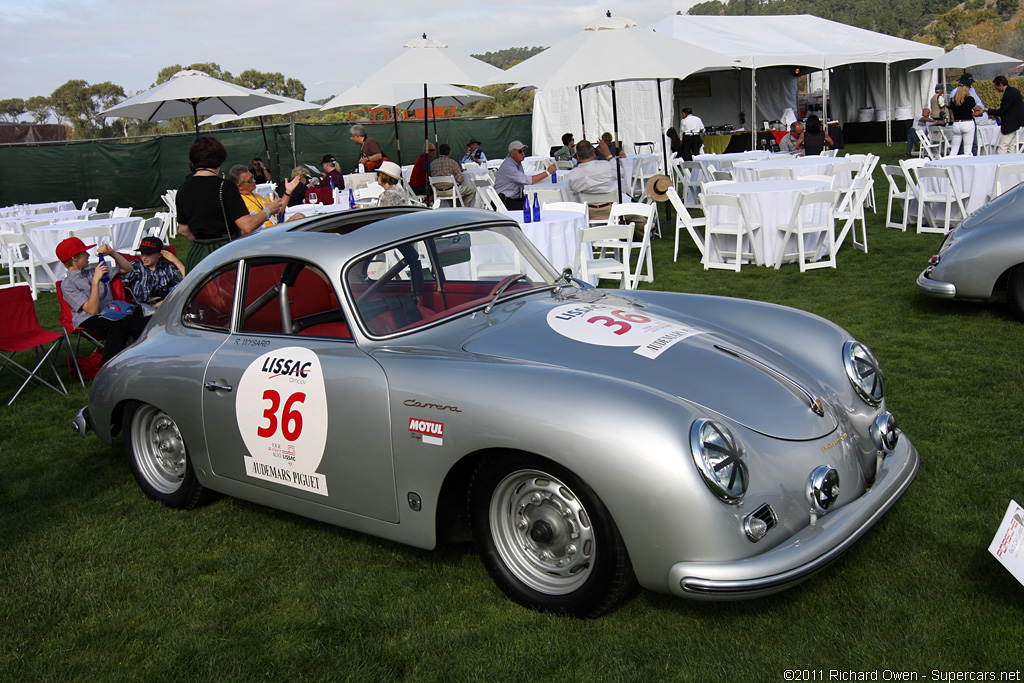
(983, 258)
(426, 376)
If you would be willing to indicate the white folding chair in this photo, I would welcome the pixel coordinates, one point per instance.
(765, 173)
(545, 195)
(90, 204)
(629, 212)
(503, 259)
(685, 222)
(486, 193)
(577, 207)
(829, 153)
(608, 241)
(449, 194)
(927, 146)
(99, 216)
(948, 194)
(839, 171)
(121, 212)
(851, 210)
(692, 183)
(164, 233)
(19, 261)
(738, 227)
(598, 199)
(148, 228)
(722, 175)
(563, 165)
(1006, 170)
(814, 214)
(905, 194)
(641, 172)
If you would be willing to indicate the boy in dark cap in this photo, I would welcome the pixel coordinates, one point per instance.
(155, 273)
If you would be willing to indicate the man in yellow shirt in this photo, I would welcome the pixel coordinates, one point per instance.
(242, 176)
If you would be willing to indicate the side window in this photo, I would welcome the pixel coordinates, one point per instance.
(210, 305)
(291, 297)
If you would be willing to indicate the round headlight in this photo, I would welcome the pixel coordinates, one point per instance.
(822, 488)
(864, 373)
(719, 460)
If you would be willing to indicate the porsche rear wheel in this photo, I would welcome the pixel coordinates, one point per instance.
(1015, 291)
(159, 460)
(546, 538)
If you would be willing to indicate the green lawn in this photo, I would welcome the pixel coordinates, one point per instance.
(100, 583)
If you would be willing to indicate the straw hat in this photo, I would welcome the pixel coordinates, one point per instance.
(390, 169)
(657, 187)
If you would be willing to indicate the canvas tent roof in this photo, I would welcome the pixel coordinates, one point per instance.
(792, 40)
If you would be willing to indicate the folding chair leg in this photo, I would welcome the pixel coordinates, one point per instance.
(33, 374)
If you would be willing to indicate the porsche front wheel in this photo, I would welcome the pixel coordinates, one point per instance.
(546, 538)
(158, 458)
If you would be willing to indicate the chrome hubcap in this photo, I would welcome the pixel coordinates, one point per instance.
(159, 449)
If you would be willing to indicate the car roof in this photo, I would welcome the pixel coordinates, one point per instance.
(335, 238)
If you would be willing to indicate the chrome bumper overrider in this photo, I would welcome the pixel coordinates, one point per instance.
(943, 290)
(82, 422)
(807, 551)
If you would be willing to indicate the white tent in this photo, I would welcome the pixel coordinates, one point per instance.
(768, 48)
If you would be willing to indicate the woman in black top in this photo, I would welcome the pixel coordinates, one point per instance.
(961, 106)
(814, 138)
(210, 210)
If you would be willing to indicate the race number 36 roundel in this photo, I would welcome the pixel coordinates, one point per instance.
(603, 325)
(281, 409)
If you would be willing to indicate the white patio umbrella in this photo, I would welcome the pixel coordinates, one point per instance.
(190, 92)
(964, 56)
(609, 50)
(430, 64)
(403, 96)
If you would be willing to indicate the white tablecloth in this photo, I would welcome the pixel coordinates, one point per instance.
(14, 224)
(314, 209)
(746, 171)
(769, 204)
(555, 235)
(45, 240)
(988, 137)
(975, 175)
(28, 209)
(724, 162)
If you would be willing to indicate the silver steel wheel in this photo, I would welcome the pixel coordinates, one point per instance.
(158, 449)
(542, 532)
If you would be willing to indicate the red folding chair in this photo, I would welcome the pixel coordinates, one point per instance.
(21, 332)
(117, 291)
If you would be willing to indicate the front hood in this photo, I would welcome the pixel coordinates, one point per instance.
(633, 341)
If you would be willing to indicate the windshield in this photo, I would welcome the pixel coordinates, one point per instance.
(405, 287)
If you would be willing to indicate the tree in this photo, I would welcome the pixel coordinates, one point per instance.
(39, 107)
(11, 109)
(80, 104)
(274, 83)
(211, 68)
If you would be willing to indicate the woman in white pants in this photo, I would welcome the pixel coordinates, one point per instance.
(962, 107)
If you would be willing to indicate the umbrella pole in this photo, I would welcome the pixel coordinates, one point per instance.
(426, 121)
(583, 121)
(664, 149)
(195, 116)
(266, 145)
(398, 140)
(753, 108)
(615, 127)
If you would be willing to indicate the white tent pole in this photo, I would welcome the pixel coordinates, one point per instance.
(888, 104)
(753, 107)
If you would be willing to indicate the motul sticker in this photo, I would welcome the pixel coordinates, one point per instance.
(427, 431)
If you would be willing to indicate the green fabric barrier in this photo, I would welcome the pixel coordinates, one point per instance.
(136, 174)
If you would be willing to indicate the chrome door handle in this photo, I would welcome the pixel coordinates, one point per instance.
(213, 386)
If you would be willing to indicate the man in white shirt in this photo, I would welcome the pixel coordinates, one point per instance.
(690, 129)
(788, 141)
(593, 175)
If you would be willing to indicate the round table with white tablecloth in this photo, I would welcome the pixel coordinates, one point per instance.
(556, 235)
(768, 204)
(976, 176)
(724, 162)
(746, 171)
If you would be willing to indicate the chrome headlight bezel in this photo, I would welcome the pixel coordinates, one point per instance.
(719, 459)
(864, 372)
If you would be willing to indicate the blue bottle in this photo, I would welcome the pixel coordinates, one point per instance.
(527, 216)
(330, 182)
(351, 199)
(536, 208)
(554, 176)
(106, 276)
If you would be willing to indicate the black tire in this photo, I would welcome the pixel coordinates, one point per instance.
(1015, 291)
(546, 539)
(159, 459)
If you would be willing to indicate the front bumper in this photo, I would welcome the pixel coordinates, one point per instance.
(936, 288)
(806, 552)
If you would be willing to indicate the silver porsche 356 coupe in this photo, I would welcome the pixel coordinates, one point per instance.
(427, 377)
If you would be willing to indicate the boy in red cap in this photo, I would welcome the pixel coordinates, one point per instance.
(90, 298)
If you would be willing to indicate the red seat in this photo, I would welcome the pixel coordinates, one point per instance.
(117, 291)
(21, 332)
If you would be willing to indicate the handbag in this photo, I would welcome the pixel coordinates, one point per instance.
(224, 211)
